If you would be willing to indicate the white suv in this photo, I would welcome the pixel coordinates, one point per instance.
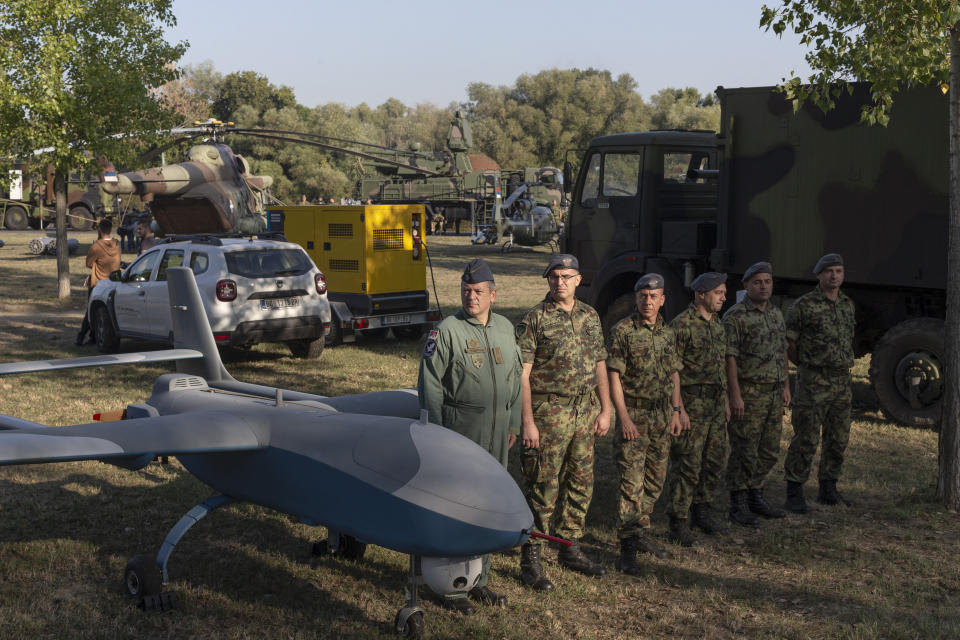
(253, 289)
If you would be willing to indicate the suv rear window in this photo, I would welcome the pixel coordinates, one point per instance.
(267, 263)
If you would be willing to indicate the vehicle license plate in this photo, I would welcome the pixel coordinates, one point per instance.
(403, 318)
(278, 303)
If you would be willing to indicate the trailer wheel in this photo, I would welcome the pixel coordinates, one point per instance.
(906, 371)
(409, 331)
(16, 218)
(618, 310)
(80, 218)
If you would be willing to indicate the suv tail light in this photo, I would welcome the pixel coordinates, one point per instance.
(321, 283)
(226, 290)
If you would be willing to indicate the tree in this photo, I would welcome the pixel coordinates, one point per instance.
(889, 43)
(80, 76)
(252, 89)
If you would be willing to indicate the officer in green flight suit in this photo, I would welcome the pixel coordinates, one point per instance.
(469, 381)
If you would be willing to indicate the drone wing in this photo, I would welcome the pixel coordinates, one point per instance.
(130, 443)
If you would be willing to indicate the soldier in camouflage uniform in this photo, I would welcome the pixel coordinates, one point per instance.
(469, 381)
(698, 455)
(758, 387)
(642, 364)
(566, 404)
(820, 330)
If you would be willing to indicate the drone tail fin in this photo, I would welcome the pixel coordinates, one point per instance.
(191, 329)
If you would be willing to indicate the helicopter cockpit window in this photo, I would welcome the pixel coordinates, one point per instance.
(621, 174)
(591, 182)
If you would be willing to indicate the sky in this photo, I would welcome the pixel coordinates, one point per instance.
(429, 51)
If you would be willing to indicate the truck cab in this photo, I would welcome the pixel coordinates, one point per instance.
(642, 202)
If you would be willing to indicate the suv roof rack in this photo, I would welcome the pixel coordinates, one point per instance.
(216, 239)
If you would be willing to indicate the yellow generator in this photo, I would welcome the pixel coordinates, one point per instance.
(374, 260)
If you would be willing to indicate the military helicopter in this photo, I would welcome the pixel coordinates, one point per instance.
(522, 221)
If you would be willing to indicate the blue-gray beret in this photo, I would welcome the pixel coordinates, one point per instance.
(708, 281)
(562, 261)
(477, 271)
(759, 267)
(649, 281)
(829, 260)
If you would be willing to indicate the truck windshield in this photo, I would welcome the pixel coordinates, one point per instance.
(267, 263)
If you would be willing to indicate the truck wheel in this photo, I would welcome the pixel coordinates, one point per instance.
(620, 309)
(80, 219)
(906, 371)
(16, 218)
(307, 348)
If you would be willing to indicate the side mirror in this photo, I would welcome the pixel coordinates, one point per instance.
(567, 177)
(116, 276)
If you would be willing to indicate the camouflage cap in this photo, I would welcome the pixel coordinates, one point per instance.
(758, 267)
(829, 260)
(477, 271)
(708, 281)
(562, 261)
(649, 281)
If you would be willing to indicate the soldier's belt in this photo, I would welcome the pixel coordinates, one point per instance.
(646, 404)
(556, 398)
(827, 371)
(762, 386)
(702, 390)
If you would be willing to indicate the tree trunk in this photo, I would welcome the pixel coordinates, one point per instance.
(63, 249)
(948, 483)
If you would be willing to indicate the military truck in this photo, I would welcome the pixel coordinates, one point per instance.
(785, 187)
(28, 200)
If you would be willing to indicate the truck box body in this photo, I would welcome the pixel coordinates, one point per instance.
(801, 185)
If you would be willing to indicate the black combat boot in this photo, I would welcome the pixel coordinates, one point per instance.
(795, 501)
(679, 532)
(829, 495)
(575, 559)
(460, 605)
(701, 516)
(627, 562)
(646, 545)
(531, 571)
(739, 511)
(759, 505)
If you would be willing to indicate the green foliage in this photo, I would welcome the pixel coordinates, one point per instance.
(529, 124)
(78, 71)
(885, 42)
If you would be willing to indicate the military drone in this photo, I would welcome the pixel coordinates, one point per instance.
(369, 467)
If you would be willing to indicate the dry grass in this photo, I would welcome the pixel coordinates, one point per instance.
(884, 568)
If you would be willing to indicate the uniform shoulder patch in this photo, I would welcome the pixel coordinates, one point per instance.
(431, 346)
(520, 329)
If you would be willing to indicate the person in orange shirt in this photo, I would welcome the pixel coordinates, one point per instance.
(103, 258)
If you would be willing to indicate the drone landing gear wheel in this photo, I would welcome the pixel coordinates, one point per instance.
(409, 623)
(409, 620)
(142, 580)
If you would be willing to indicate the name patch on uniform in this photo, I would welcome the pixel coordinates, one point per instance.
(474, 346)
(431, 346)
(497, 356)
